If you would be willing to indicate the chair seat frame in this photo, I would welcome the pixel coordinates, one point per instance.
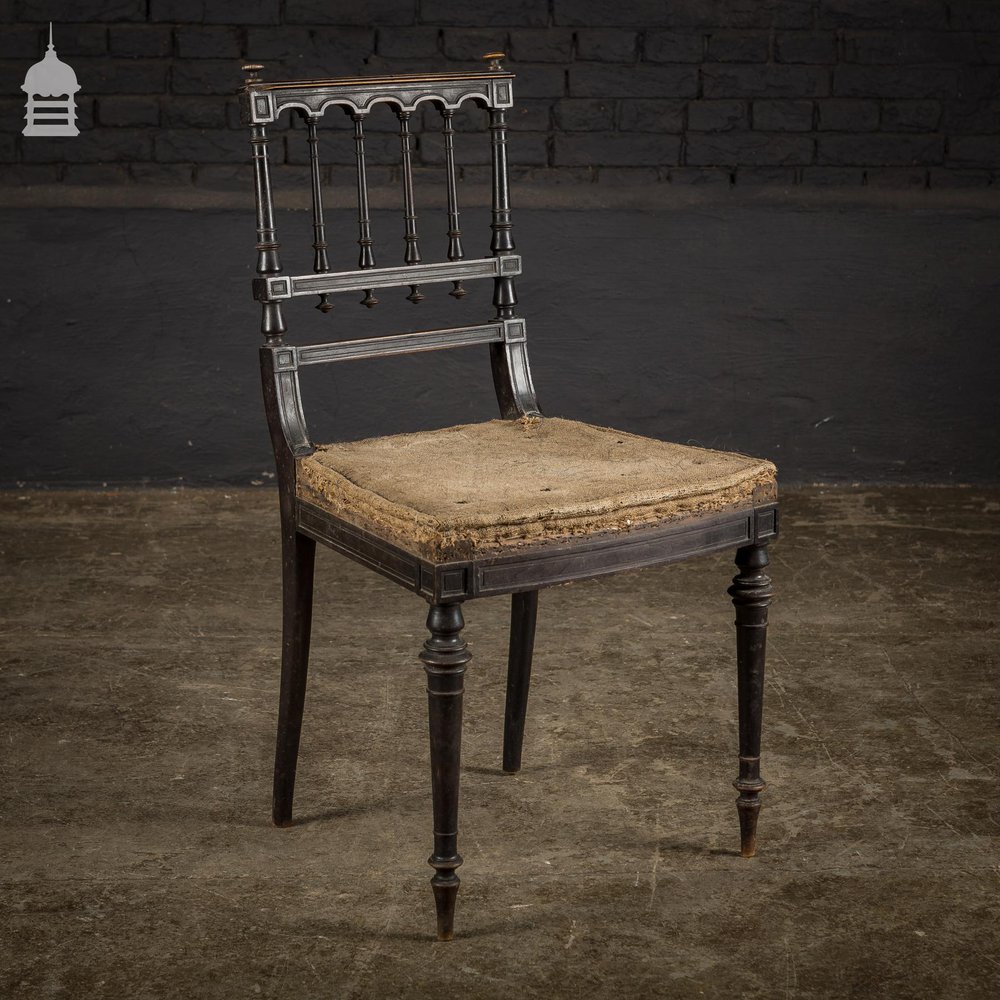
(520, 571)
(540, 565)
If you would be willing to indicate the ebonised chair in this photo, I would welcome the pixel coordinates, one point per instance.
(515, 504)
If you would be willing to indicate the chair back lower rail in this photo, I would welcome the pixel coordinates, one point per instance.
(289, 357)
(280, 364)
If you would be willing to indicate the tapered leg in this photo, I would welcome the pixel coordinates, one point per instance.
(298, 555)
(751, 593)
(523, 614)
(444, 657)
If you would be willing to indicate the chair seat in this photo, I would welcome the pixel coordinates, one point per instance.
(463, 491)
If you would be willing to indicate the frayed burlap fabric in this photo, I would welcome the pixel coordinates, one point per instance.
(477, 488)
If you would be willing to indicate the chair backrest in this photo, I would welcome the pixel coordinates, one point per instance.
(262, 104)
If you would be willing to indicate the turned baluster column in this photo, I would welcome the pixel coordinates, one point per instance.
(412, 254)
(320, 262)
(444, 657)
(509, 360)
(751, 593)
(502, 243)
(366, 259)
(272, 323)
(454, 231)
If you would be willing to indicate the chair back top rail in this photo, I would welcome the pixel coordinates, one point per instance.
(262, 103)
(289, 286)
(288, 357)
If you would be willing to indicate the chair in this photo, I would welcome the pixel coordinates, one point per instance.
(506, 506)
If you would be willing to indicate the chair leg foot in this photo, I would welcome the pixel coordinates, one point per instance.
(751, 593)
(445, 894)
(748, 807)
(298, 560)
(444, 657)
(523, 615)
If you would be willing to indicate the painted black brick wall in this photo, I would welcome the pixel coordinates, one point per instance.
(842, 92)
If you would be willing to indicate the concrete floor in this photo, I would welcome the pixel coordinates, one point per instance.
(140, 681)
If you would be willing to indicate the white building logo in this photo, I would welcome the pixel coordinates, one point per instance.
(50, 85)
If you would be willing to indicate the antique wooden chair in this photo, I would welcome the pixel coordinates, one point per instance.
(513, 504)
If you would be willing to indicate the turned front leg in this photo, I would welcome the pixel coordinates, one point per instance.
(751, 593)
(444, 657)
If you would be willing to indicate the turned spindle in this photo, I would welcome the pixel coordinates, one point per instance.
(511, 372)
(751, 593)
(321, 264)
(366, 258)
(272, 323)
(502, 243)
(444, 657)
(454, 231)
(412, 254)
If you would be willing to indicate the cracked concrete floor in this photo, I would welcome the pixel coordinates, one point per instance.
(140, 678)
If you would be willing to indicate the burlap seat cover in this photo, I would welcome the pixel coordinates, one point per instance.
(475, 488)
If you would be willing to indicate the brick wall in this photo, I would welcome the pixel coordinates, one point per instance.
(827, 92)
